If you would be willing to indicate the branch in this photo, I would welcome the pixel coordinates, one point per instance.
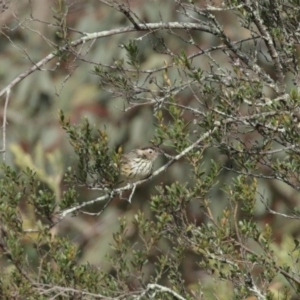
(257, 292)
(97, 35)
(241, 55)
(3, 150)
(158, 289)
(268, 39)
(132, 193)
(279, 269)
(273, 212)
(16, 262)
(126, 12)
(47, 289)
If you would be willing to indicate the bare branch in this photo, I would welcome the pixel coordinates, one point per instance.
(3, 150)
(157, 289)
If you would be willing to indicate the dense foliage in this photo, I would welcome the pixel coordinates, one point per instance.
(215, 85)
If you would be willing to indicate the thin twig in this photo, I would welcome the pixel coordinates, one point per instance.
(273, 212)
(132, 193)
(3, 150)
(126, 12)
(156, 288)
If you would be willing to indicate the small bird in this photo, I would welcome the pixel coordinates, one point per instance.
(137, 164)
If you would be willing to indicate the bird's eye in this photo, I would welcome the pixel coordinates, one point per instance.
(150, 151)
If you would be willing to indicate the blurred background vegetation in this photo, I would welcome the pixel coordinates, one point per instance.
(88, 84)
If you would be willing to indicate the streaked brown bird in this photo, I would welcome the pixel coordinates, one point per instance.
(138, 163)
